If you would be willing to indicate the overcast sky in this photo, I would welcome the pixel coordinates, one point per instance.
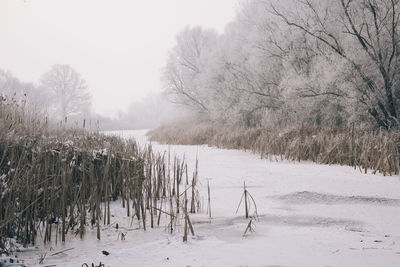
(119, 46)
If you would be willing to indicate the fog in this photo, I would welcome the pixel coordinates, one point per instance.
(118, 47)
(237, 63)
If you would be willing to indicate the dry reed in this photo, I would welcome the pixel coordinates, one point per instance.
(378, 151)
(56, 181)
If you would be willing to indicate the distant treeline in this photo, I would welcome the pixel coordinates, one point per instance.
(62, 97)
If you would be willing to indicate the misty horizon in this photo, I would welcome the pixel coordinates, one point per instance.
(119, 47)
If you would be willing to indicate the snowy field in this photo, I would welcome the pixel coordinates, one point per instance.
(308, 215)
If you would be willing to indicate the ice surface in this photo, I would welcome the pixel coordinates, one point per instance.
(308, 215)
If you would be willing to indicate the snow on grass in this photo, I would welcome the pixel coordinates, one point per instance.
(308, 215)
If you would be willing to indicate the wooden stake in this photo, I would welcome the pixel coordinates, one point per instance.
(245, 201)
(209, 199)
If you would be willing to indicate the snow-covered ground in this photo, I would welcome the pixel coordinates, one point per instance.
(308, 215)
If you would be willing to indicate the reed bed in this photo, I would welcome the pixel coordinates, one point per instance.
(55, 182)
(377, 151)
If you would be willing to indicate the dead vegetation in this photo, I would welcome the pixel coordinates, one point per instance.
(378, 151)
(59, 181)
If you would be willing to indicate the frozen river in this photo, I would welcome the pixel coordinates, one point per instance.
(308, 215)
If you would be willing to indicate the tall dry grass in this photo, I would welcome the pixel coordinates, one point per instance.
(54, 181)
(377, 151)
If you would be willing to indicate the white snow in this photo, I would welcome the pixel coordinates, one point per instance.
(308, 215)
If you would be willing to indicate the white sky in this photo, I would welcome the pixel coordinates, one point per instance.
(119, 46)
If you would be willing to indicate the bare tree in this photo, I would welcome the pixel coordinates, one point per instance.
(365, 33)
(71, 96)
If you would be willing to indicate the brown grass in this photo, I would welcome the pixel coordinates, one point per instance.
(54, 181)
(375, 151)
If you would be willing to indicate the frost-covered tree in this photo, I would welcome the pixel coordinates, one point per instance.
(364, 34)
(294, 61)
(226, 77)
(183, 72)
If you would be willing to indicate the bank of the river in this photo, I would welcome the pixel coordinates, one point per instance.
(377, 150)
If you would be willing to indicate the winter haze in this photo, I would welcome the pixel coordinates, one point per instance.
(119, 47)
(200, 133)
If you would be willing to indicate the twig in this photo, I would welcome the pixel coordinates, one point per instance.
(160, 210)
(61, 251)
(249, 227)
